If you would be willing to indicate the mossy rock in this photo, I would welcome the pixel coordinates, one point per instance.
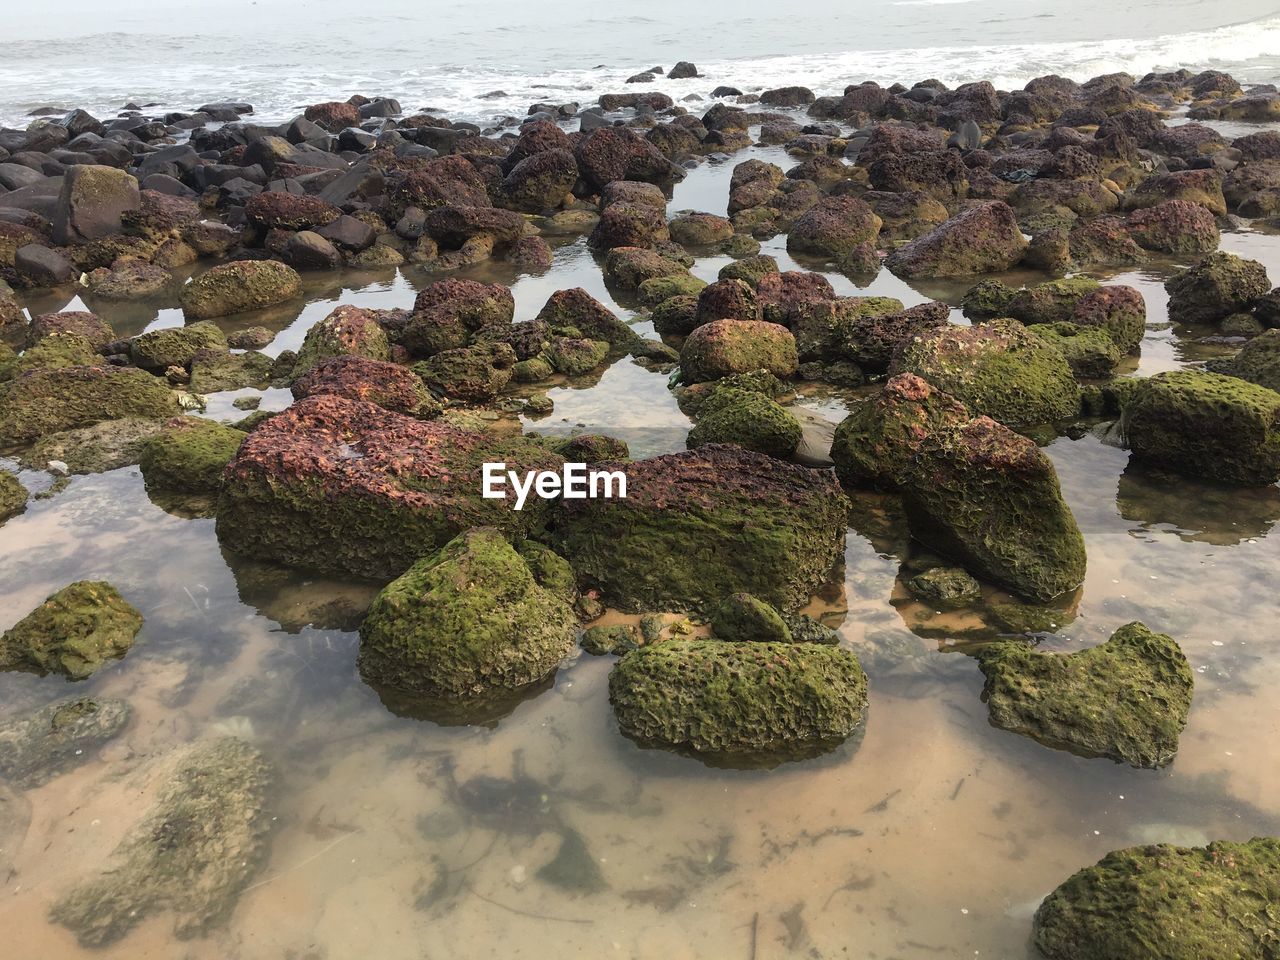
(175, 346)
(698, 526)
(45, 401)
(213, 371)
(749, 269)
(617, 639)
(468, 621)
(589, 448)
(13, 496)
(58, 737)
(239, 286)
(726, 347)
(742, 617)
(987, 299)
(74, 632)
(189, 455)
(747, 419)
(347, 331)
(999, 369)
(57, 350)
(1028, 619)
(739, 699)
(1258, 361)
(1206, 425)
(989, 497)
(95, 449)
(946, 587)
(193, 854)
(1126, 699)
(1051, 301)
(575, 357)
(676, 316)
(657, 289)
(1162, 902)
(1090, 351)
(533, 370)
(473, 374)
(1214, 288)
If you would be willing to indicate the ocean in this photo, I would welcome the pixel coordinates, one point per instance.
(486, 60)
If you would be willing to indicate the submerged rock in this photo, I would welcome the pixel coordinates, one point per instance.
(193, 854)
(74, 632)
(697, 526)
(56, 738)
(470, 620)
(1163, 902)
(1206, 425)
(46, 401)
(945, 587)
(1126, 699)
(738, 699)
(346, 486)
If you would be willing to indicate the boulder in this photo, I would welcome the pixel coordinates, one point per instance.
(103, 446)
(1126, 699)
(700, 229)
(607, 154)
(74, 632)
(541, 181)
(92, 200)
(346, 486)
(1174, 226)
(577, 311)
(725, 347)
(474, 374)
(272, 210)
(998, 369)
(1201, 187)
(1258, 361)
(307, 250)
(834, 227)
(45, 401)
(727, 300)
(13, 496)
(1118, 309)
(742, 618)
(158, 350)
(1205, 425)
(697, 526)
(739, 699)
(470, 620)
(389, 385)
(42, 266)
(1214, 288)
(626, 224)
(747, 419)
(984, 238)
(189, 455)
(239, 286)
(346, 332)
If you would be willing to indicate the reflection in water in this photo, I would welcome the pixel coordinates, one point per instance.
(935, 835)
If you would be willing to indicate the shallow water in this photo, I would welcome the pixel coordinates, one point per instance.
(932, 834)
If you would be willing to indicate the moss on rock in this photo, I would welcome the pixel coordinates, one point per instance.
(725, 347)
(742, 617)
(346, 332)
(13, 496)
(189, 455)
(738, 699)
(945, 587)
(467, 621)
(175, 346)
(74, 632)
(1214, 288)
(239, 286)
(747, 419)
(57, 350)
(45, 401)
(1089, 351)
(58, 737)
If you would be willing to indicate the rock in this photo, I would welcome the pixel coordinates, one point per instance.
(984, 238)
(541, 181)
(45, 401)
(57, 350)
(577, 310)
(683, 70)
(1202, 187)
(333, 116)
(13, 496)
(1119, 310)
(626, 224)
(1089, 351)
(875, 446)
(727, 300)
(615, 153)
(1126, 699)
(998, 369)
(741, 617)
(473, 374)
(133, 280)
(388, 385)
(74, 632)
(189, 455)
(738, 699)
(452, 225)
(95, 449)
(989, 497)
(657, 290)
(239, 286)
(158, 350)
(576, 356)
(1162, 902)
(700, 229)
(1206, 425)
(347, 331)
(675, 316)
(193, 854)
(42, 266)
(1175, 226)
(1258, 361)
(470, 620)
(945, 587)
(747, 419)
(214, 370)
(58, 737)
(629, 267)
(88, 325)
(307, 250)
(700, 525)
(905, 216)
(725, 347)
(871, 333)
(272, 210)
(92, 200)
(940, 174)
(834, 227)
(751, 270)
(341, 485)
(1214, 288)
(1048, 302)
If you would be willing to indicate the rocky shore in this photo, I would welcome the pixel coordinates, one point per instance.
(374, 470)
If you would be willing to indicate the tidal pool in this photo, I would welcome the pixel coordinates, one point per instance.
(546, 833)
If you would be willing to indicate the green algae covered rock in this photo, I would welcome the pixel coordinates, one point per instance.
(748, 419)
(999, 369)
(103, 446)
(876, 444)
(58, 350)
(1258, 361)
(987, 299)
(1050, 301)
(1089, 351)
(175, 346)
(238, 286)
(742, 617)
(657, 289)
(58, 737)
(467, 621)
(725, 347)
(1214, 288)
(74, 632)
(1126, 699)
(1162, 902)
(989, 497)
(945, 587)
(749, 269)
(698, 526)
(45, 401)
(738, 699)
(343, 485)
(193, 854)
(575, 357)
(982, 238)
(13, 496)
(214, 370)
(346, 332)
(1206, 425)
(189, 455)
